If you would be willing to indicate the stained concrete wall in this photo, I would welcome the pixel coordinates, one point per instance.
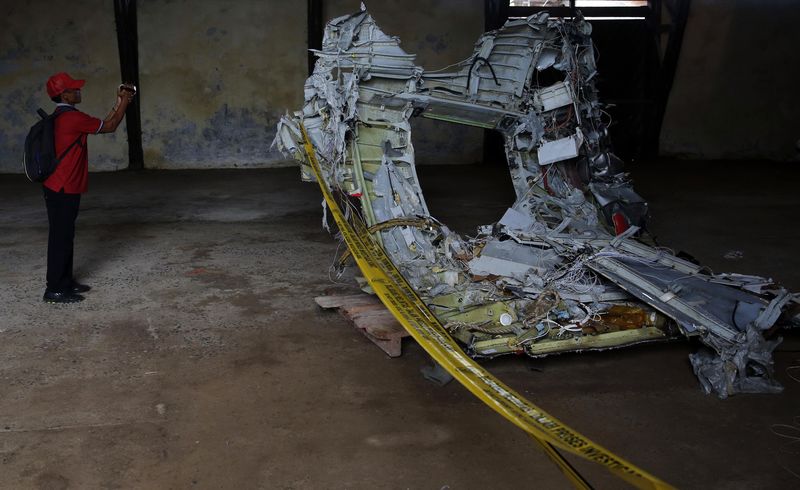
(215, 78)
(735, 92)
(440, 33)
(39, 38)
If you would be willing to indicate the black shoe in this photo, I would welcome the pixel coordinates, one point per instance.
(80, 288)
(53, 297)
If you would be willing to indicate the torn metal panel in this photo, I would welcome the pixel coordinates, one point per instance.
(557, 95)
(511, 259)
(568, 267)
(560, 149)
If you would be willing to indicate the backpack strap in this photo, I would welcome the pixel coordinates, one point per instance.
(61, 157)
(61, 110)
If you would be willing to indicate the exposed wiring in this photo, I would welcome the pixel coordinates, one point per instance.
(338, 266)
(568, 328)
(472, 66)
(792, 448)
(789, 372)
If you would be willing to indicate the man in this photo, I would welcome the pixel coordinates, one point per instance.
(63, 189)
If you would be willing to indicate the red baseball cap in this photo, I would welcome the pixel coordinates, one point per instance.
(60, 82)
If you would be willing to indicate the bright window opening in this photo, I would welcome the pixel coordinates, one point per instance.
(578, 3)
(539, 3)
(615, 18)
(611, 3)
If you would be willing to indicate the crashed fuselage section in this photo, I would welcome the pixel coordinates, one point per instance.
(568, 267)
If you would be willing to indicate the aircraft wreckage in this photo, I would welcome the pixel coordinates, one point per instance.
(569, 266)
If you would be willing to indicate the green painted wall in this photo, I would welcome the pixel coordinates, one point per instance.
(39, 38)
(216, 75)
(215, 78)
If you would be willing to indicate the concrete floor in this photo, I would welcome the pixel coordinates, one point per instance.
(201, 361)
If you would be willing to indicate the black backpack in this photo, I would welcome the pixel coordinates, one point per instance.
(39, 160)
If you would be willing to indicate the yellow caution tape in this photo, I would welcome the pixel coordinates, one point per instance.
(571, 473)
(409, 309)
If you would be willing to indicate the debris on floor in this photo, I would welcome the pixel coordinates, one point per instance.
(570, 266)
(733, 255)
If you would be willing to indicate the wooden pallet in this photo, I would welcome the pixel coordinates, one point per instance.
(368, 315)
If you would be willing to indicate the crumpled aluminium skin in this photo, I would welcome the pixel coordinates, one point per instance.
(720, 373)
(569, 267)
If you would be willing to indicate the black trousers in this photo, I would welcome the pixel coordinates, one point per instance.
(62, 211)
